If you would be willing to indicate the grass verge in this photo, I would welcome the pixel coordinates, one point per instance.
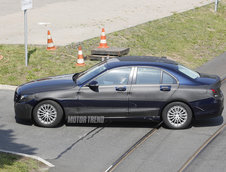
(15, 163)
(191, 38)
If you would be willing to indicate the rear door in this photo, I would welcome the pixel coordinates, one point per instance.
(151, 88)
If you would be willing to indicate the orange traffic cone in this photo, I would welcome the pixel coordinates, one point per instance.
(80, 60)
(103, 41)
(50, 45)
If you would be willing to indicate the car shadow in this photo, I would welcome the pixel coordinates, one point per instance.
(211, 122)
(8, 143)
(196, 123)
(118, 124)
(208, 122)
(23, 122)
(132, 124)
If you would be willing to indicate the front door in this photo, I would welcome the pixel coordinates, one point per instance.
(109, 98)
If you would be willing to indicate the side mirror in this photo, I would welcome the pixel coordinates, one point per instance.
(93, 84)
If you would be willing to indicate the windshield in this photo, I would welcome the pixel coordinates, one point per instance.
(90, 73)
(188, 72)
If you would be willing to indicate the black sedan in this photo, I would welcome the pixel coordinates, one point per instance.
(124, 88)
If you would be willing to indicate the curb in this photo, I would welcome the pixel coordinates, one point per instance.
(8, 87)
(29, 156)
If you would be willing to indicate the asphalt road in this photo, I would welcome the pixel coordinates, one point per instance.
(78, 20)
(95, 148)
(212, 158)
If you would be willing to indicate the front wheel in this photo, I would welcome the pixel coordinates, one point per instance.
(47, 114)
(177, 115)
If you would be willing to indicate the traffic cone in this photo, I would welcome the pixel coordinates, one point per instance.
(80, 60)
(103, 41)
(50, 45)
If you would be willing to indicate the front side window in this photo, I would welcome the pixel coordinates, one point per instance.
(147, 75)
(90, 73)
(117, 76)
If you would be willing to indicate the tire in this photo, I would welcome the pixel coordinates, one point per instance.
(177, 115)
(48, 114)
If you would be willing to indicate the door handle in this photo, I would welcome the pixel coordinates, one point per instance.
(120, 88)
(165, 88)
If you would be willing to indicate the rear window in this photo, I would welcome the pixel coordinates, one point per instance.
(190, 73)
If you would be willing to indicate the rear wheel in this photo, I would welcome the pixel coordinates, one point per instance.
(177, 115)
(48, 114)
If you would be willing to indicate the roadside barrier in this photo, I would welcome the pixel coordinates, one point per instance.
(80, 60)
(103, 41)
(50, 45)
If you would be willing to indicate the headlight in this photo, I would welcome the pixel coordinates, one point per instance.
(24, 98)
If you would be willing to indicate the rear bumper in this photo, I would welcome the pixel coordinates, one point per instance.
(208, 108)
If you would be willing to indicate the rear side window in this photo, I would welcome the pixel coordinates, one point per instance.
(146, 75)
(167, 79)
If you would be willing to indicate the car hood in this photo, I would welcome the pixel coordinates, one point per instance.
(54, 83)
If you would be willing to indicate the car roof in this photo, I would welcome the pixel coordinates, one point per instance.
(146, 59)
(141, 60)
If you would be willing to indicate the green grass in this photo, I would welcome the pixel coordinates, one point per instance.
(15, 163)
(191, 38)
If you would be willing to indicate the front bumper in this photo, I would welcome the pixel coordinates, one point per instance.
(23, 106)
(23, 111)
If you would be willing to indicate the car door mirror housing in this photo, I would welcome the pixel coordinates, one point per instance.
(93, 84)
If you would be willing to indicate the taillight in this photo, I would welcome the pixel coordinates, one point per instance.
(214, 91)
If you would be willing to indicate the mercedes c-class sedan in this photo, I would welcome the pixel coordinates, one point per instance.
(123, 88)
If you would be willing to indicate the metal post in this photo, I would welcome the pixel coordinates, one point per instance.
(25, 36)
(216, 5)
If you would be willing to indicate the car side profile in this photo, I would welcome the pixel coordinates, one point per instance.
(123, 88)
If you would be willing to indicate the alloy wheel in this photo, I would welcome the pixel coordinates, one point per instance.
(47, 113)
(177, 116)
